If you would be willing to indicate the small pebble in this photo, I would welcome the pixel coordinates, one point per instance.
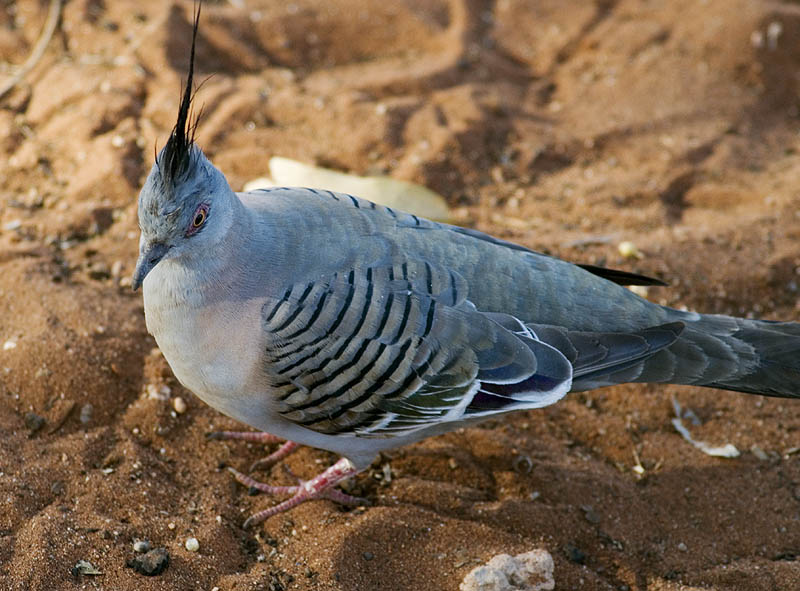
(192, 545)
(682, 547)
(8, 345)
(759, 453)
(522, 464)
(141, 546)
(575, 554)
(116, 268)
(368, 556)
(84, 567)
(590, 515)
(151, 563)
(86, 413)
(33, 422)
(161, 392)
(774, 30)
(628, 250)
(42, 372)
(179, 404)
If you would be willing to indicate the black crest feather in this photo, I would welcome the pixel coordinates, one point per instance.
(176, 155)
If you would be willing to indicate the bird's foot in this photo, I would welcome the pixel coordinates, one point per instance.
(286, 448)
(319, 487)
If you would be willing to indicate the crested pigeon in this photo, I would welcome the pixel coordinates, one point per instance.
(326, 320)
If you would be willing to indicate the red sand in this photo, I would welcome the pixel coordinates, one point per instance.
(564, 126)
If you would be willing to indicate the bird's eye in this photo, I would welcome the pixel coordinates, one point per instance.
(200, 217)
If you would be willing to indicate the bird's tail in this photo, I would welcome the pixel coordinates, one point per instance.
(753, 356)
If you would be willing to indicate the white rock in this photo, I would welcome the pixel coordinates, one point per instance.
(484, 578)
(141, 546)
(532, 571)
(179, 404)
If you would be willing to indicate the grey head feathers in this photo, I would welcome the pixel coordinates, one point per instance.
(180, 184)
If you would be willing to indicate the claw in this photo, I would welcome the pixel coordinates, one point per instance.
(319, 487)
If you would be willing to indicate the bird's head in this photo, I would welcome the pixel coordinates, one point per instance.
(184, 196)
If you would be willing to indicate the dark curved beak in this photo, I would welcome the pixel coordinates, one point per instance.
(148, 259)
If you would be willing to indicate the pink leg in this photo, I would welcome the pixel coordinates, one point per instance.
(319, 487)
(275, 457)
(254, 436)
(284, 450)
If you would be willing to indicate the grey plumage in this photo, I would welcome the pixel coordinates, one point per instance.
(331, 321)
(372, 324)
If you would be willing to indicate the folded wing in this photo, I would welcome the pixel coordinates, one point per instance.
(391, 349)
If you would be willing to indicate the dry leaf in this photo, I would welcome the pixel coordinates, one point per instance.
(384, 190)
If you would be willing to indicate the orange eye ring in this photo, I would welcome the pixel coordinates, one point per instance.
(199, 218)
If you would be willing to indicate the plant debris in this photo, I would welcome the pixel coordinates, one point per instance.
(726, 451)
(384, 190)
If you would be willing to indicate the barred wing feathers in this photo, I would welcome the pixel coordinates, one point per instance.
(382, 350)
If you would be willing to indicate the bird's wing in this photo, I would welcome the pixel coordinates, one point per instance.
(614, 275)
(598, 356)
(395, 349)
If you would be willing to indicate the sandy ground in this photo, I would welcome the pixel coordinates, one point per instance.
(567, 126)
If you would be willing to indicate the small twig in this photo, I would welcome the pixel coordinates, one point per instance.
(38, 50)
(637, 467)
(59, 422)
(726, 451)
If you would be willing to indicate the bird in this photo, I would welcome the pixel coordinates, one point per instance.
(324, 319)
